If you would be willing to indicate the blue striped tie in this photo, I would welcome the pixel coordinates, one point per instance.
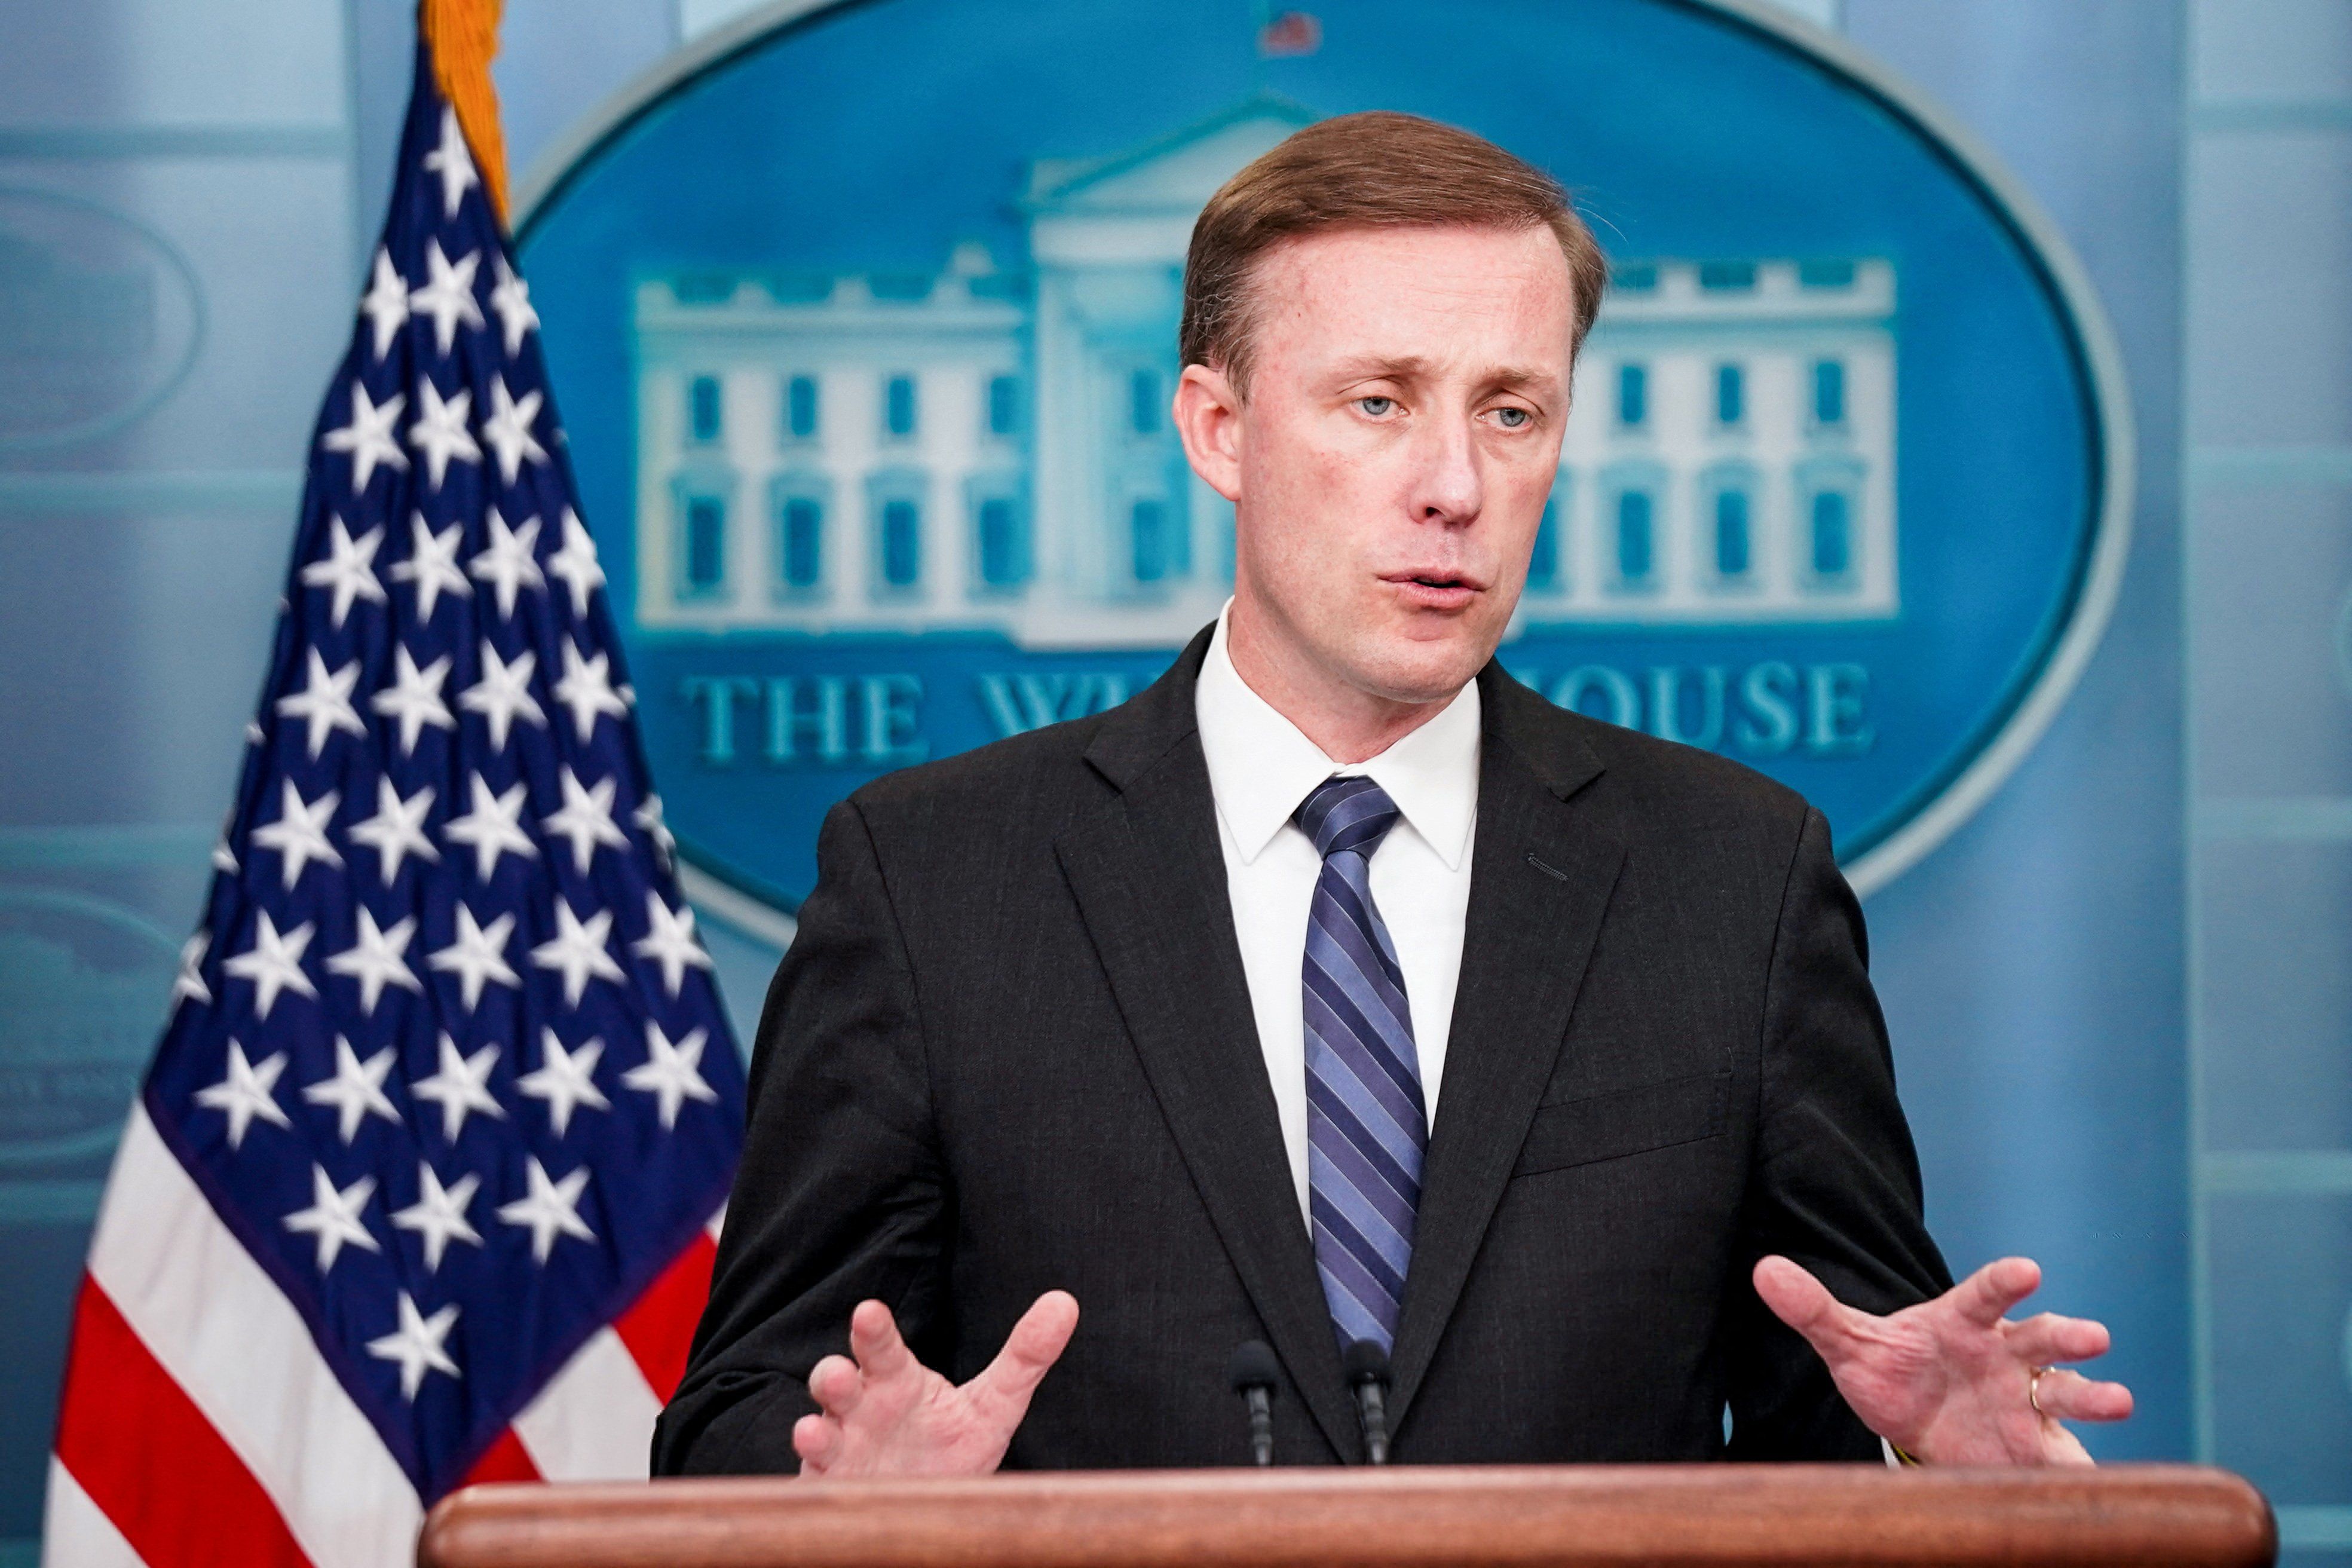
(1367, 1124)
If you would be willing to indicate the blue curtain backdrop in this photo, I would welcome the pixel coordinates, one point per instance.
(2117, 996)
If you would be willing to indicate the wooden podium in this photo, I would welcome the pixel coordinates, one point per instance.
(2147, 1516)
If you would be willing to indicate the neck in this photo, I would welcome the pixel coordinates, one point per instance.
(1347, 724)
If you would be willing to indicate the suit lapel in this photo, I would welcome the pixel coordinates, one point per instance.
(1150, 880)
(1540, 878)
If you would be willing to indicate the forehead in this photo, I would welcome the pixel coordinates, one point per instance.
(1447, 293)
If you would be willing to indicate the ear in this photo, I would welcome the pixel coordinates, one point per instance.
(1208, 419)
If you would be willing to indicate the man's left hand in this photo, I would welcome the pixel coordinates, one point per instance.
(1951, 1380)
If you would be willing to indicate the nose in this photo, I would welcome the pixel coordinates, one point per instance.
(1447, 489)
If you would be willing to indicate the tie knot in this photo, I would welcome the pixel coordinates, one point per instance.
(1350, 813)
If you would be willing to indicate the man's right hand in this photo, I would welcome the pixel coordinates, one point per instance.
(887, 1414)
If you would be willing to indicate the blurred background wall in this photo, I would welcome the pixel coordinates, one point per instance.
(2120, 999)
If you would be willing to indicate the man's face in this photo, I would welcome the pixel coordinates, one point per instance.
(1389, 467)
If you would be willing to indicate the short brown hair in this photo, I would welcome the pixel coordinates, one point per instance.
(1377, 168)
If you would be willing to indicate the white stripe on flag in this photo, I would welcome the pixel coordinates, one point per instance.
(75, 1533)
(594, 1419)
(233, 1342)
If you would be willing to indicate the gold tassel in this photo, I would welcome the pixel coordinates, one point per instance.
(464, 38)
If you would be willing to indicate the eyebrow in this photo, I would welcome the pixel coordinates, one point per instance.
(1407, 367)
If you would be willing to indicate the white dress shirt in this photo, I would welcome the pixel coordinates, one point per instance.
(1260, 770)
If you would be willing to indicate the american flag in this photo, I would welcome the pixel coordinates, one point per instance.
(420, 1188)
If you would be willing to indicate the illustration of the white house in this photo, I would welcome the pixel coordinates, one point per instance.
(989, 447)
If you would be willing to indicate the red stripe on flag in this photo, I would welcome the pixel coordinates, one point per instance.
(504, 1460)
(659, 1327)
(149, 1460)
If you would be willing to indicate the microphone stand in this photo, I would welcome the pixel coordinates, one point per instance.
(1367, 1366)
(1254, 1374)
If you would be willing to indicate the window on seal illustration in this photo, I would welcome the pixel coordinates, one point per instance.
(1831, 536)
(702, 565)
(1829, 545)
(799, 408)
(1637, 543)
(704, 410)
(1150, 545)
(1004, 405)
(1632, 395)
(801, 504)
(1145, 415)
(1734, 544)
(899, 411)
(1829, 392)
(999, 535)
(895, 503)
(1730, 395)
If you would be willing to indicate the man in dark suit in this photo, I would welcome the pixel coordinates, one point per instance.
(1153, 1011)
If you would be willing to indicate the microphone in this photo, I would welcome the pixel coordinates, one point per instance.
(1253, 1375)
(1367, 1366)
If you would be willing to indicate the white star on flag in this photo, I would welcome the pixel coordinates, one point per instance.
(416, 1346)
(447, 295)
(377, 958)
(250, 1090)
(493, 827)
(477, 956)
(670, 941)
(397, 828)
(507, 429)
(432, 565)
(334, 1216)
(299, 834)
(453, 163)
(578, 951)
(649, 816)
(503, 694)
(438, 1215)
(461, 1086)
(586, 819)
(586, 689)
(189, 983)
(551, 1209)
(349, 570)
(509, 563)
(440, 431)
(565, 1079)
(671, 1073)
(368, 437)
(415, 697)
(511, 298)
(326, 702)
(576, 564)
(274, 963)
(356, 1091)
(386, 304)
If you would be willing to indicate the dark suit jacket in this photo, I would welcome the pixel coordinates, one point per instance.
(1012, 1050)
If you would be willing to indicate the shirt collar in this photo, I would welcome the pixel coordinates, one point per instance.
(1261, 766)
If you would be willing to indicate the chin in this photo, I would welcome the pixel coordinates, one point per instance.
(1417, 670)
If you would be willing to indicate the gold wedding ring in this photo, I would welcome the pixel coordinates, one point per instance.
(2033, 1390)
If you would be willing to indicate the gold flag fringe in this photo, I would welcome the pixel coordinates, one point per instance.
(464, 38)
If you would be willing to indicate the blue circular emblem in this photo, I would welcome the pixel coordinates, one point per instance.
(864, 321)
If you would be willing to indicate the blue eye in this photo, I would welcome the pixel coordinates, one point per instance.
(1376, 406)
(1514, 418)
